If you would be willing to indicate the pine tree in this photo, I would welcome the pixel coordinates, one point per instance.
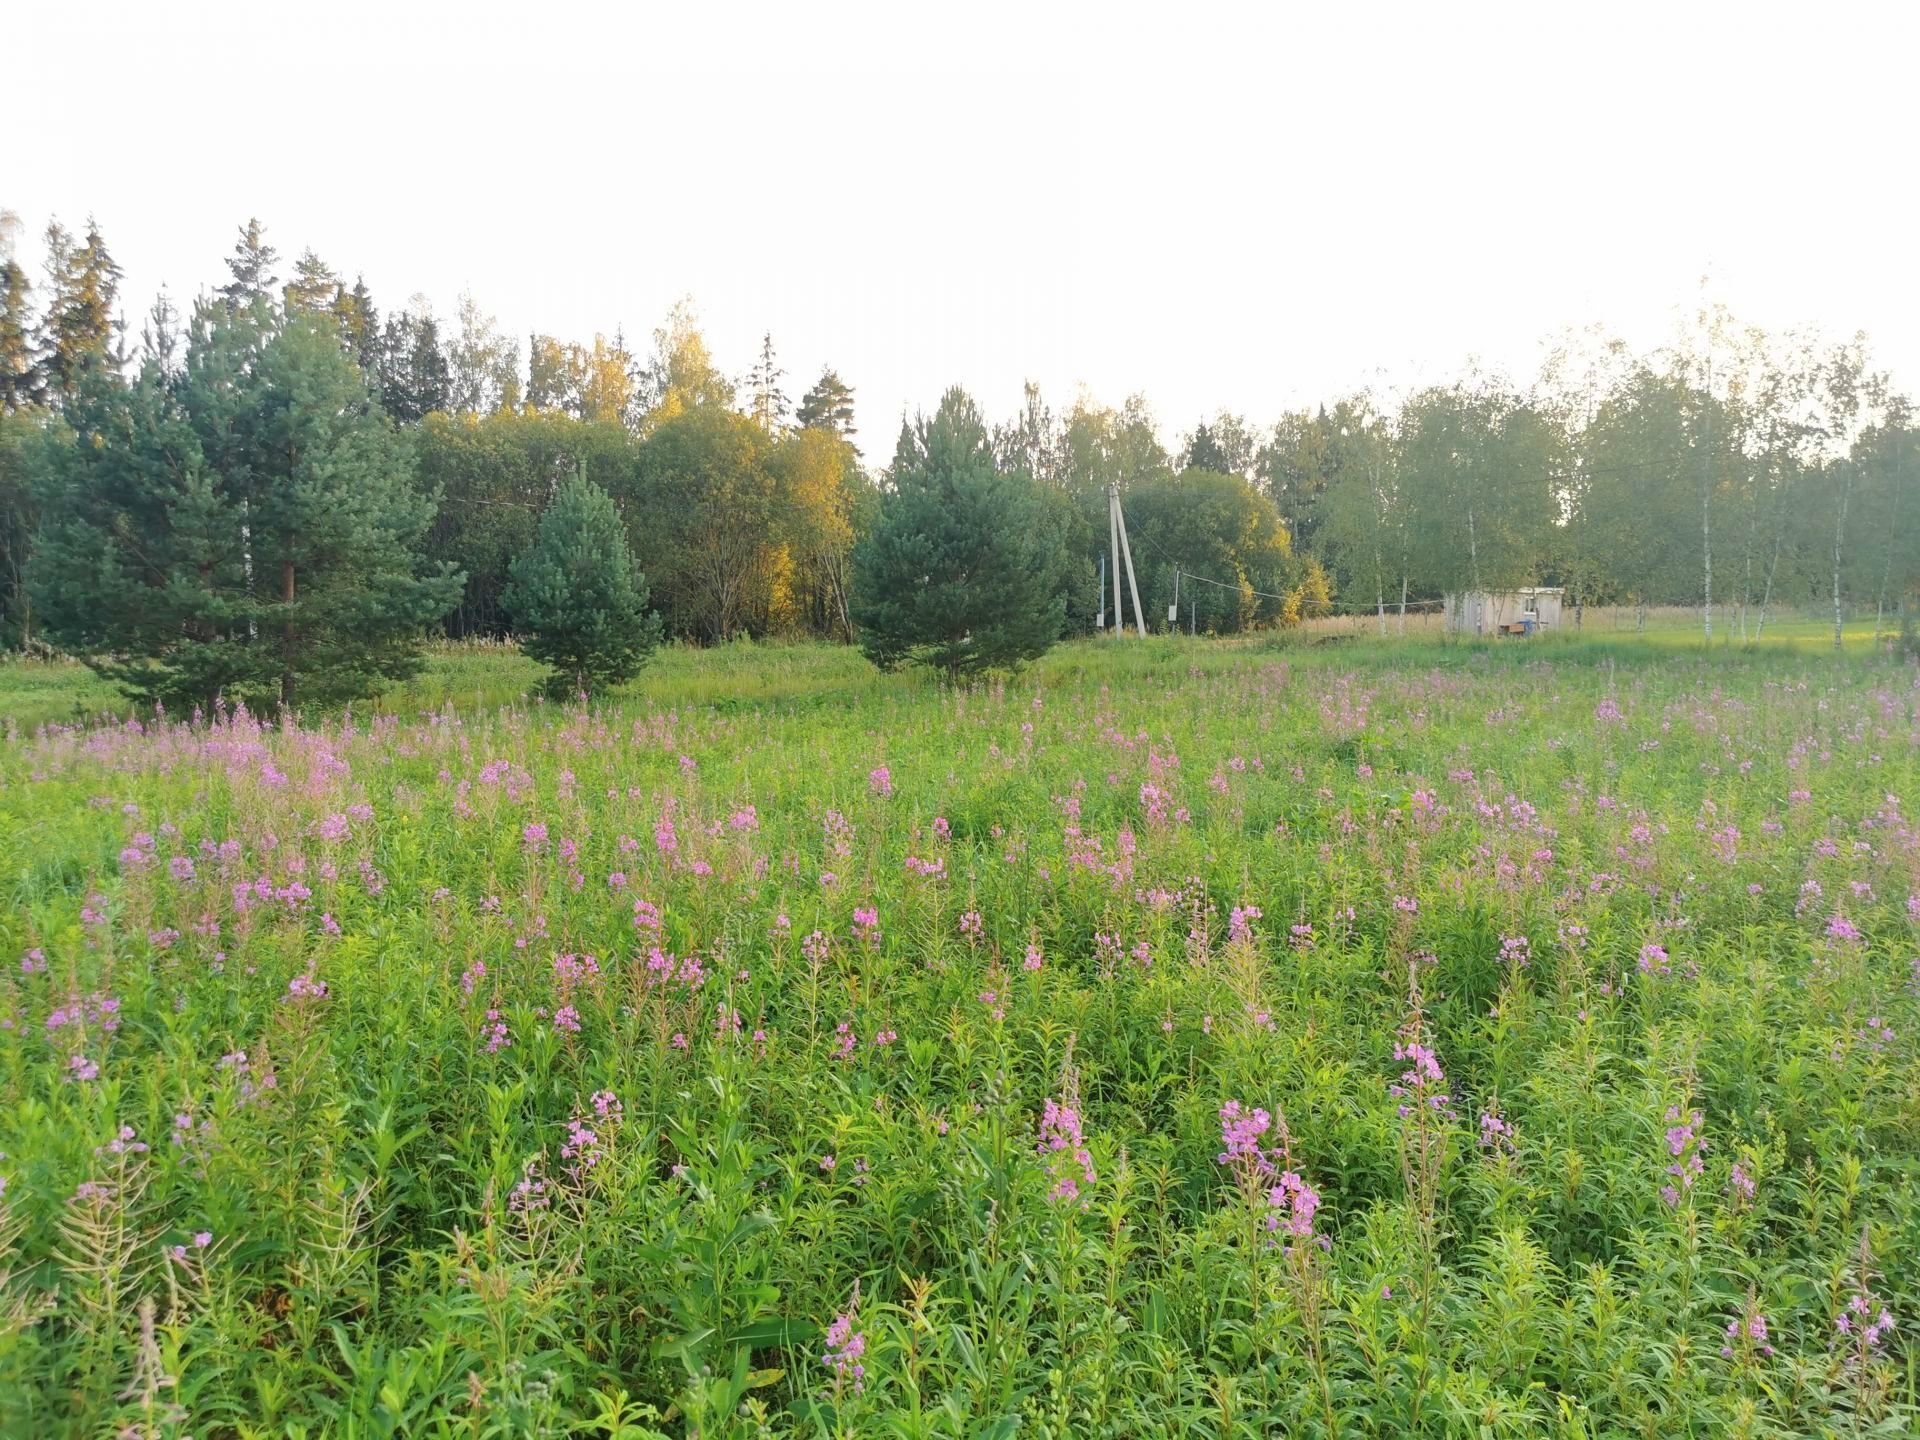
(963, 570)
(19, 376)
(250, 268)
(247, 528)
(578, 604)
(829, 406)
(763, 383)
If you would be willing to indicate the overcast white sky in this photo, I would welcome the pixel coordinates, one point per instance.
(1231, 207)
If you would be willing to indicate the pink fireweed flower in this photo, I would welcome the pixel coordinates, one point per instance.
(1240, 1134)
(1422, 1083)
(1747, 1332)
(1683, 1147)
(866, 924)
(493, 1034)
(1240, 924)
(1034, 958)
(880, 781)
(846, 1346)
(1069, 1164)
(1293, 1204)
(1497, 1135)
(971, 925)
(305, 987)
(1741, 1185)
(1860, 1323)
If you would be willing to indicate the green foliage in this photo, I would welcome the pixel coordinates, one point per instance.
(1206, 523)
(366, 1006)
(577, 602)
(494, 475)
(960, 572)
(243, 530)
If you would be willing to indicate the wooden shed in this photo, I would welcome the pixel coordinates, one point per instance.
(1528, 610)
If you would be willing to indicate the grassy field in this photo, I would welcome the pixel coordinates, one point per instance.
(478, 676)
(1305, 1035)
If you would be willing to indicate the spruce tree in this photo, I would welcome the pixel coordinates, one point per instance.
(769, 405)
(247, 528)
(963, 569)
(19, 376)
(249, 268)
(415, 379)
(314, 289)
(79, 331)
(578, 604)
(160, 336)
(359, 325)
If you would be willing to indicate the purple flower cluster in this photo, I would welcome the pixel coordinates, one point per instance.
(1683, 1147)
(1069, 1163)
(1422, 1083)
(846, 1346)
(1858, 1322)
(1240, 1133)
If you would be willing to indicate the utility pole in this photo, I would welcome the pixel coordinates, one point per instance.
(1126, 553)
(1113, 543)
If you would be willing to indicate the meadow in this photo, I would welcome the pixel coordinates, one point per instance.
(1235, 1039)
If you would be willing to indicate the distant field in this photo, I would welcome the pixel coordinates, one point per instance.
(1293, 1035)
(37, 692)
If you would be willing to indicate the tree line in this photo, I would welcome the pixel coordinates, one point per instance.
(282, 482)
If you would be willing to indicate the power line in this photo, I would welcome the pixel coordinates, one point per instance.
(1181, 572)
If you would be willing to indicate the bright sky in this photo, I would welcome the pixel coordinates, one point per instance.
(1221, 207)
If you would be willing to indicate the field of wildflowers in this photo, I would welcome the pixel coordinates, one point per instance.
(1339, 1040)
